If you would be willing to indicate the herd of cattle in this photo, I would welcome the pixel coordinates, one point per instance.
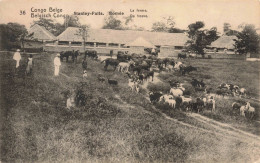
(141, 68)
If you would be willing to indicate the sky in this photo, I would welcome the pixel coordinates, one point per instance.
(214, 13)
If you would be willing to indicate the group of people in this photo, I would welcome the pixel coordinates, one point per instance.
(17, 57)
(57, 63)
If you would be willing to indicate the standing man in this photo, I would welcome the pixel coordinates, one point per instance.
(17, 57)
(57, 65)
(29, 65)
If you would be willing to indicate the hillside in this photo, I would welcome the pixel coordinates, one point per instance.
(115, 125)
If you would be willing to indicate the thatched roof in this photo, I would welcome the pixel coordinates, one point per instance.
(40, 33)
(224, 42)
(124, 36)
(141, 42)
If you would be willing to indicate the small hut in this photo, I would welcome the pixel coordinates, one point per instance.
(224, 44)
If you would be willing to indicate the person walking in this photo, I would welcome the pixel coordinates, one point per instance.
(57, 64)
(29, 65)
(17, 57)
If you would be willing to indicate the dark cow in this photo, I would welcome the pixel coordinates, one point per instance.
(111, 62)
(198, 105)
(182, 55)
(155, 96)
(112, 82)
(67, 54)
(91, 53)
(196, 83)
(147, 74)
(123, 57)
(187, 69)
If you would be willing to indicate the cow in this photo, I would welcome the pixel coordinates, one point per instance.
(91, 53)
(236, 105)
(195, 83)
(111, 62)
(124, 67)
(182, 55)
(186, 102)
(176, 92)
(67, 54)
(165, 97)
(154, 96)
(250, 109)
(187, 69)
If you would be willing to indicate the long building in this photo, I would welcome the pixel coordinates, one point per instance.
(105, 41)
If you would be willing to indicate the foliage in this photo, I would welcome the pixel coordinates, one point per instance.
(111, 22)
(83, 32)
(166, 25)
(199, 38)
(248, 40)
(11, 35)
(159, 27)
(176, 30)
(227, 31)
(57, 28)
(50, 25)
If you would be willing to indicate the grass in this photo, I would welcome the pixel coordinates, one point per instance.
(116, 125)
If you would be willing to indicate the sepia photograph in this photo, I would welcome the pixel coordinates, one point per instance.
(130, 81)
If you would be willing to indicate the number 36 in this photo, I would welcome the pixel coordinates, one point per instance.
(22, 12)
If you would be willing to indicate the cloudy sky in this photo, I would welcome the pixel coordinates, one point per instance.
(185, 12)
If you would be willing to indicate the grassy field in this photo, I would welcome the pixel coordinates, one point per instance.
(115, 125)
(217, 71)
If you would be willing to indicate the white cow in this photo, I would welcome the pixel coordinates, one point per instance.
(250, 109)
(176, 92)
(171, 102)
(165, 97)
(177, 65)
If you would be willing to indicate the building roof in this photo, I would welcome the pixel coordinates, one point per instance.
(124, 36)
(224, 42)
(40, 33)
(140, 41)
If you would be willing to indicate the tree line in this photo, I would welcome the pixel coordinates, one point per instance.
(14, 34)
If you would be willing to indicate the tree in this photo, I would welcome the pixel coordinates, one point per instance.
(247, 40)
(72, 21)
(176, 30)
(159, 27)
(50, 25)
(83, 32)
(165, 25)
(199, 38)
(226, 27)
(11, 35)
(228, 31)
(211, 35)
(111, 22)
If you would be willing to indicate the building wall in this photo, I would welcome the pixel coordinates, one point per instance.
(100, 50)
(224, 56)
(136, 50)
